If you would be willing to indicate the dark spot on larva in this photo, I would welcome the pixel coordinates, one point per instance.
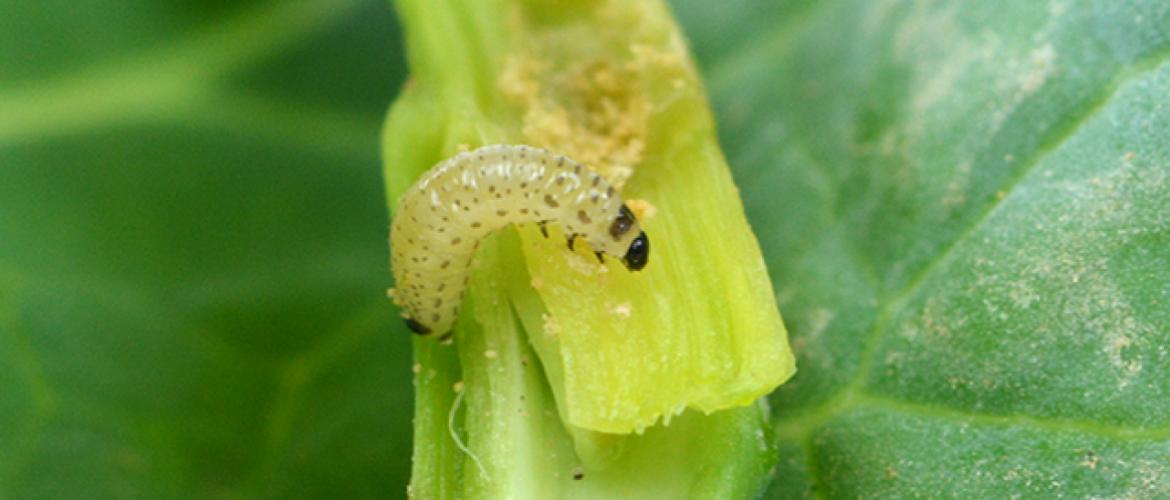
(445, 219)
(622, 223)
(438, 303)
(577, 168)
(435, 318)
(609, 192)
(475, 200)
(524, 211)
(561, 161)
(491, 189)
(444, 264)
(467, 208)
(499, 196)
(596, 180)
(560, 180)
(550, 201)
(456, 240)
(594, 198)
(584, 217)
(523, 185)
(480, 158)
(475, 225)
(501, 213)
(578, 474)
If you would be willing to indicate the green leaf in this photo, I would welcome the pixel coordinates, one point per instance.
(193, 251)
(968, 225)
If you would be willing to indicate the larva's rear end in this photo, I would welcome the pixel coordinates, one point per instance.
(418, 274)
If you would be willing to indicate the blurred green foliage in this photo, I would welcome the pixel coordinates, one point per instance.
(963, 206)
(193, 251)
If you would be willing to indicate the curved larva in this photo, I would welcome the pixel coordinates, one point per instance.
(442, 218)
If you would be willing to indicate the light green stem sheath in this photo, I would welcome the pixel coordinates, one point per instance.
(581, 379)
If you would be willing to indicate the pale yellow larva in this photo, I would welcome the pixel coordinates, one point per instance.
(442, 218)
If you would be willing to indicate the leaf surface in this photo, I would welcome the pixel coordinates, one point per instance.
(968, 222)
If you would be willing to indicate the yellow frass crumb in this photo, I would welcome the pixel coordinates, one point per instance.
(551, 327)
(594, 108)
(642, 209)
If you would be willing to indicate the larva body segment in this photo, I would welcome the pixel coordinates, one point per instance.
(442, 218)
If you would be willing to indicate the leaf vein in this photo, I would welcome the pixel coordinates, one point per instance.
(158, 81)
(1047, 147)
(800, 427)
(329, 131)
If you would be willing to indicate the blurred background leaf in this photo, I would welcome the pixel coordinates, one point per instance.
(193, 251)
(964, 206)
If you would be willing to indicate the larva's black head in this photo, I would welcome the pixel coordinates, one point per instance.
(638, 253)
(416, 327)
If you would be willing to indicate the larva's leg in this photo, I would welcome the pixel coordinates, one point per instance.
(543, 227)
(573, 238)
(600, 256)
